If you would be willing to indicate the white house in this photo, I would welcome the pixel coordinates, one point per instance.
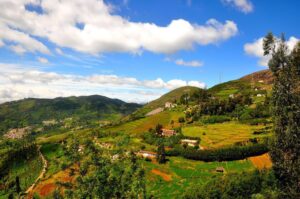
(170, 105)
(189, 142)
(146, 154)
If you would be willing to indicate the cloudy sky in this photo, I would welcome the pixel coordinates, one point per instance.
(131, 49)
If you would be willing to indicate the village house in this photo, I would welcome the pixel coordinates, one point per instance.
(260, 95)
(80, 149)
(168, 132)
(105, 145)
(189, 142)
(170, 105)
(146, 154)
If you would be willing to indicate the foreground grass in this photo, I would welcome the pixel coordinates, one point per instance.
(170, 180)
(26, 170)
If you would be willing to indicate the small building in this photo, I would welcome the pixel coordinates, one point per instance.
(146, 154)
(115, 157)
(189, 142)
(260, 95)
(80, 149)
(105, 145)
(168, 132)
(231, 96)
(170, 105)
(220, 169)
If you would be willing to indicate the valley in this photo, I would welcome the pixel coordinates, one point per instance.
(230, 124)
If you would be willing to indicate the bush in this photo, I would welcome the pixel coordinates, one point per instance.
(181, 120)
(215, 119)
(224, 154)
(257, 184)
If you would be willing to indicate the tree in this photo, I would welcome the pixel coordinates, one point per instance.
(18, 187)
(181, 120)
(285, 148)
(158, 129)
(161, 153)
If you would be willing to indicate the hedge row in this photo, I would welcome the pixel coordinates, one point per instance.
(224, 154)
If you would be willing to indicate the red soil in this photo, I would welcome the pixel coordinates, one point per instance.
(46, 189)
(261, 161)
(165, 176)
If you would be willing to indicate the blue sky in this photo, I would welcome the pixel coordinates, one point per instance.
(131, 49)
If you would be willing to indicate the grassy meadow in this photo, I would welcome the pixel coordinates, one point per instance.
(173, 178)
(222, 134)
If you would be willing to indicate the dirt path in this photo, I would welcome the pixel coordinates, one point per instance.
(29, 190)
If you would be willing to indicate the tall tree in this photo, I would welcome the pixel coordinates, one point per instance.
(161, 153)
(285, 148)
(158, 129)
(18, 187)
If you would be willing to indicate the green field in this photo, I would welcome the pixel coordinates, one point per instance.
(142, 125)
(185, 173)
(55, 156)
(222, 134)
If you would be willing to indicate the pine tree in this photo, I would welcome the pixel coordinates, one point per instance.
(285, 148)
(161, 153)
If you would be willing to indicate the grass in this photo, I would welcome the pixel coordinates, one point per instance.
(186, 173)
(27, 170)
(222, 134)
(54, 154)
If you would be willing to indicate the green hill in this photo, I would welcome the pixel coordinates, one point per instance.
(85, 108)
(255, 83)
(172, 96)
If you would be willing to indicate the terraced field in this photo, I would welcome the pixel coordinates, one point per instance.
(142, 125)
(174, 177)
(222, 134)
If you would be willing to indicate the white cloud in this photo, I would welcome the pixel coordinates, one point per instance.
(18, 49)
(256, 49)
(243, 5)
(193, 63)
(43, 60)
(59, 51)
(101, 30)
(24, 42)
(197, 84)
(18, 81)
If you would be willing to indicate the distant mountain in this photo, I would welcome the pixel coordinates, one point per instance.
(85, 108)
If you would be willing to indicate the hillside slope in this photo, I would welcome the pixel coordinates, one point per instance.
(250, 84)
(172, 96)
(34, 111)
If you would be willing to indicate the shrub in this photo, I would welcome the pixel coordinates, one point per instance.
(257, 184)
(224, 154)
(215, 119)
(181, 120)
